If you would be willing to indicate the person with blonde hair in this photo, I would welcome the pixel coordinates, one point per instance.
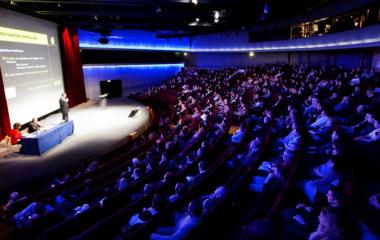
(329, 227)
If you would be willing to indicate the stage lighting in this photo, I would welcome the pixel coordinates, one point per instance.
(251, 54)
(216, 14)
(195, 2)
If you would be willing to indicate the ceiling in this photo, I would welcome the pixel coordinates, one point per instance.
(170, 17)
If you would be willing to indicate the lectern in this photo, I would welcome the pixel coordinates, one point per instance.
(103, 100)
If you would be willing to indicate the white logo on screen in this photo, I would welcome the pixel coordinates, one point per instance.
(52, 41)
(10, 92)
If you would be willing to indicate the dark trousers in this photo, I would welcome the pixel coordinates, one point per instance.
(65, 116)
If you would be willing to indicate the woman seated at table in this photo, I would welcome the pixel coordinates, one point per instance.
(34, 126)
(15, 134)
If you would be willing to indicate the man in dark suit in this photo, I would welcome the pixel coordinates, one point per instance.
(34, 126)
(64, 106)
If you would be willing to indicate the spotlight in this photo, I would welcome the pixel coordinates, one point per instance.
(158, 9)
(265, 12)
(251, 54)
(185, 54)
(197, 19)
(216, 14)
(266, 8)
(195, 2)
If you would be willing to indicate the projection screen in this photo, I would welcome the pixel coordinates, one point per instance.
(30, 64)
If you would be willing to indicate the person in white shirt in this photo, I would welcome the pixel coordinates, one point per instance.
(183, 225)
(372, 136)
(355, 80)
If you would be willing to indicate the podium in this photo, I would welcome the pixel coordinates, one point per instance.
(103, 100)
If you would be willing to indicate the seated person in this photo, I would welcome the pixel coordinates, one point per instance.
(210, 200)
(13, 197)
(15, 134)
(34, 126)
(64, 204)
(92, 166)
(239, 134)
(158, 204)
(59, 181)
(183, 225)
(81, 208)
(180, 190)
(324, 177)
(273, 181)
(148, 189)
(298, 221)
(374, 135)
(321, 125)
(202, 171)
(329, 226)
(107, 195)
(139, 218)
(370, 216)
(219, 193)
(32, 211)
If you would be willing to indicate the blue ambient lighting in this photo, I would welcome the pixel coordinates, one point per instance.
(133, 47)
(165, 65)
(143, 40)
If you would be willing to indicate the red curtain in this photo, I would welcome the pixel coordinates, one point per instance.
(72, 67)
(5, 124)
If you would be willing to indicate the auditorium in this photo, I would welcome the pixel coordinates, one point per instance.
(190, 120)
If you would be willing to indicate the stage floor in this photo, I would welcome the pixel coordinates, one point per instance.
(95, 130)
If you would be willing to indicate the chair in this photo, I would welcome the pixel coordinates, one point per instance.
(11, 148)
(8, 143)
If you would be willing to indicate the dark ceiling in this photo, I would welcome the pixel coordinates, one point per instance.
(174, 16)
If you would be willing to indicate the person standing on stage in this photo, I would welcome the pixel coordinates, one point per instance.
(64, 106)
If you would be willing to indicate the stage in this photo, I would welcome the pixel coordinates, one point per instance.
(96, 130)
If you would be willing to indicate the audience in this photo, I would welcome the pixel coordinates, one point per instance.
(325, 129)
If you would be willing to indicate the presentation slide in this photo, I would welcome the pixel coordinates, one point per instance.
(30, 64)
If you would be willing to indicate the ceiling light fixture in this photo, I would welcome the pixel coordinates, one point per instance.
(158, 9)
(216, 14)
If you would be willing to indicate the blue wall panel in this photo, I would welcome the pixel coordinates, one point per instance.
(133, 40)
(134, 77)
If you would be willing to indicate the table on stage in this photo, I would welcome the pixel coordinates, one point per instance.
(39, 142)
